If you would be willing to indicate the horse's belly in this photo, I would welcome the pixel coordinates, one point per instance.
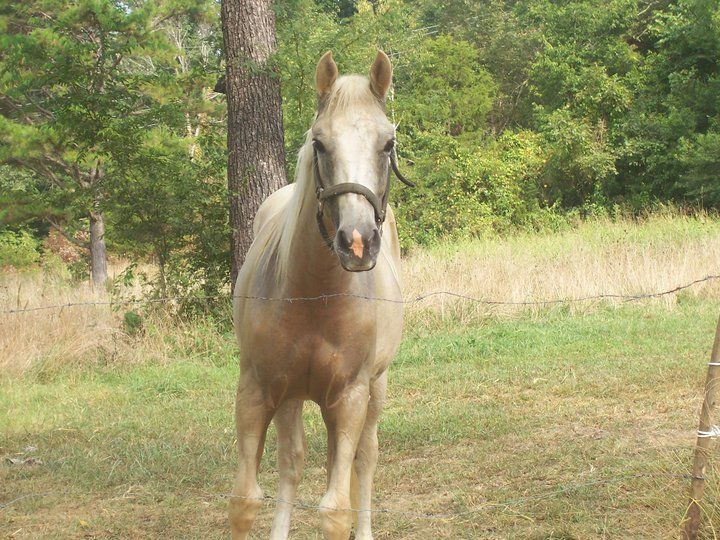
(307, 354)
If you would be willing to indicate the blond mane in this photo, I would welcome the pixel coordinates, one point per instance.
(350, 92)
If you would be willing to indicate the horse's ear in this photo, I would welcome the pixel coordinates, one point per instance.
(325, 74)
(381, 75)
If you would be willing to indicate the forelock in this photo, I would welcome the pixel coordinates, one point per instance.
(350, 92)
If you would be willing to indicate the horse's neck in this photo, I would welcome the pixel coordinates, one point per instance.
(313, 269)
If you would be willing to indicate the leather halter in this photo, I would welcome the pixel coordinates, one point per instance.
(379, 204)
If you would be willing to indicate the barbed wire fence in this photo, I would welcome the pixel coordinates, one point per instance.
(707, 431)
(403, 301)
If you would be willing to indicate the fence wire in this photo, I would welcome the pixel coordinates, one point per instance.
(404, 301)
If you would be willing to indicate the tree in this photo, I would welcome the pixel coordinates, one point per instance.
(168, 200)
(70, 106)
(256, 153)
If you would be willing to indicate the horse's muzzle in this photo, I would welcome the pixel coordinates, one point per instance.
(356, 248)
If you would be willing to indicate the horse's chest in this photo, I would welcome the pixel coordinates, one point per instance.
(307, 348)
(312, 334)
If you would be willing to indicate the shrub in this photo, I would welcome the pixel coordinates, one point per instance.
(701, 159)
(18, 249)
(467, 189)
(132, 323)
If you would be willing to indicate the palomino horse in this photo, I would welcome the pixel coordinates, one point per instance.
(329, 235)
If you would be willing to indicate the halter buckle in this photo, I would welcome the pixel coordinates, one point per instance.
(321, 202)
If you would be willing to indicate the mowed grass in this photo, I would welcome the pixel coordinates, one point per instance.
(548, 424)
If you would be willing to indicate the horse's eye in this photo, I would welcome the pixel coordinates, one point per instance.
(318, 145)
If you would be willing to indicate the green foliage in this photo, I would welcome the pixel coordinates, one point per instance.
(470, 191)
(339, 8)
(597, 95)
(179, 218)
(68, 100)
(19, 197)
(132, 323)
(449, 90)
(105, 106)
(676, 101)
(579, 160)
(18, 249)
(510, 114)
(701, 161)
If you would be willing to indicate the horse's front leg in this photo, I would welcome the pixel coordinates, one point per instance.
(344, 419)
(366, 459)
(252, 417)
(291, 457)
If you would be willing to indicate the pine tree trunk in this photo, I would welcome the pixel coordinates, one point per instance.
(256, 152)
(98, 253)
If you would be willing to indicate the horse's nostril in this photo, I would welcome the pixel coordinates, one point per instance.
(376, 235)
(344, 239)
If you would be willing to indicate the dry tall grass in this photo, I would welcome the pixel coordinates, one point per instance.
(38, 338)
(598, 257)
(44, 340)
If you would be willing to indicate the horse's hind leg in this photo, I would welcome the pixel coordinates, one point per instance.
(366, 459)
(252, 417)
(345, 419)
(291, 458)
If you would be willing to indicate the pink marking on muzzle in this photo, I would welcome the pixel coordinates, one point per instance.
(357, 245)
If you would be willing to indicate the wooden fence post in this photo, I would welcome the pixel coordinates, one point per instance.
(706, 433)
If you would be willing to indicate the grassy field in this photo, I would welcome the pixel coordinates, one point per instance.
(565, 422)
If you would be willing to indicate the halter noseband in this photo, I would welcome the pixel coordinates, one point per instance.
(379, 205)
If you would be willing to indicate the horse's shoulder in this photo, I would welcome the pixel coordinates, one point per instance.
(271, 207)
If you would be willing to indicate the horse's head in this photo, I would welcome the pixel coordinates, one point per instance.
(353, 152)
